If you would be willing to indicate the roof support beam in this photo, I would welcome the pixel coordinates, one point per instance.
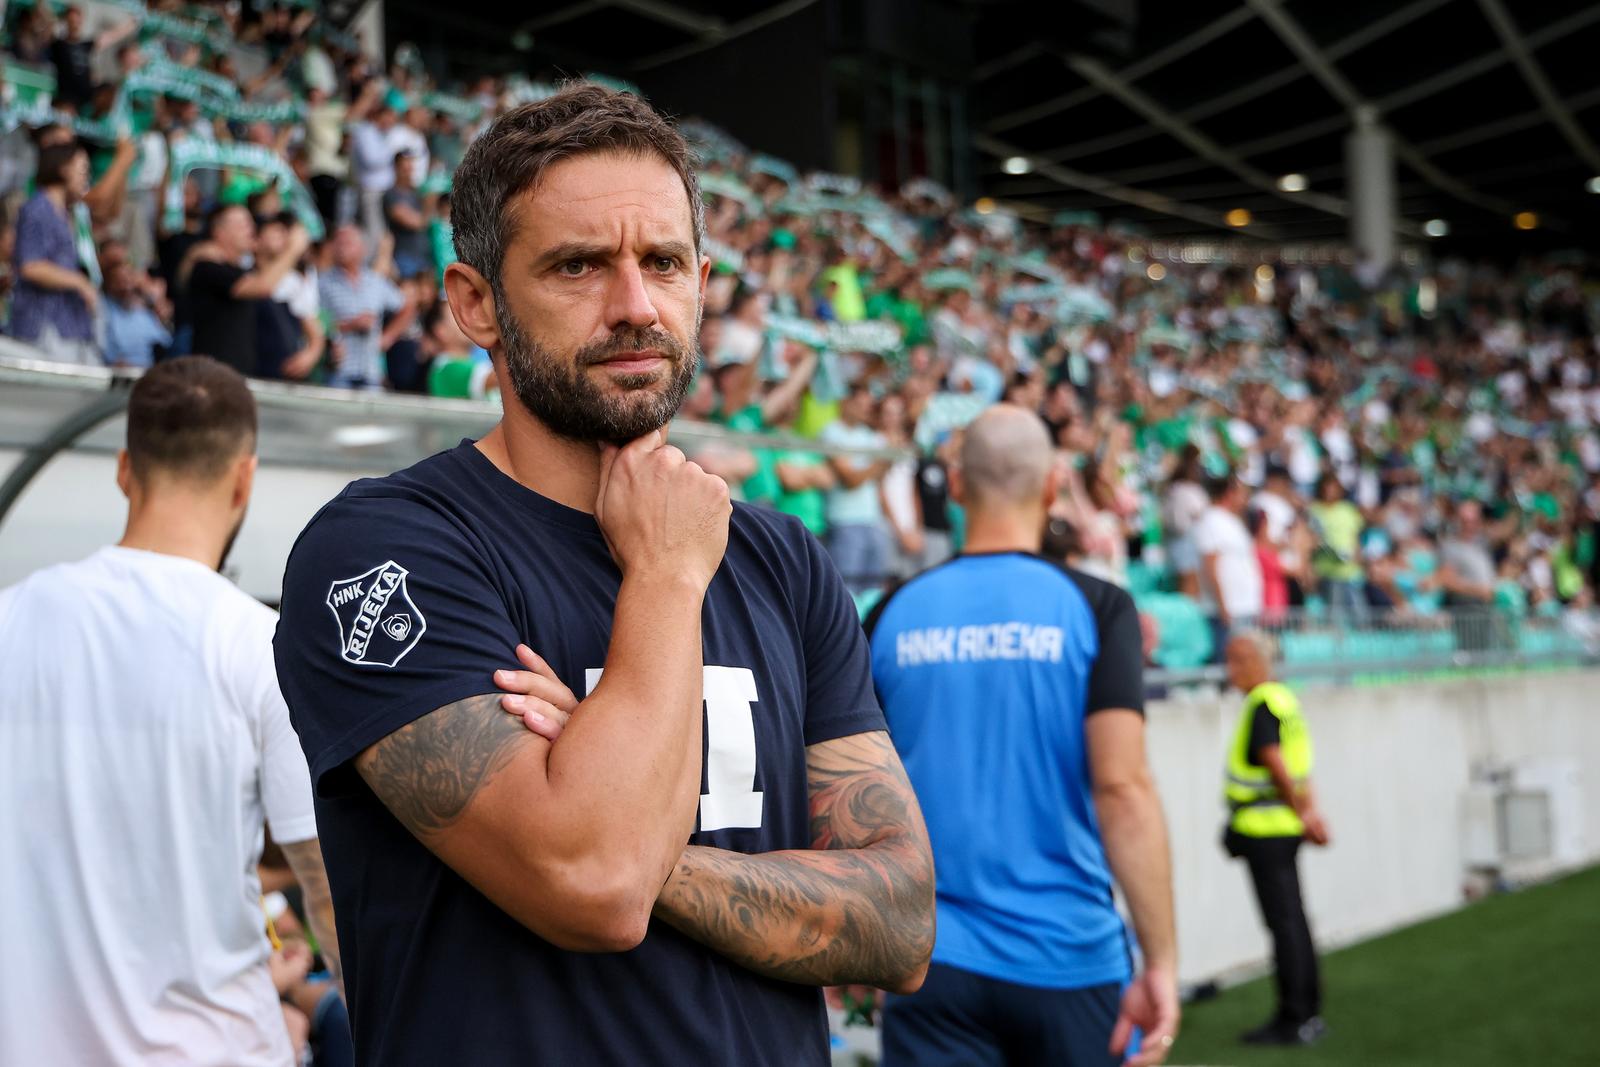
(560, 15)
(1198, 142)
(1154, 61)
(1534, 75)
(1284, 25)
(1161, 205)
(1251, 91)
(1488, 131)
(724, 32)
(1472, 68)
(670, 14)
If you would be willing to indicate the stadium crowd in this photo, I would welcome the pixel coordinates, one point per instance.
(1260, 435)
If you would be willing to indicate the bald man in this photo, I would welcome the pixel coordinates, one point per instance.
(1014, 693)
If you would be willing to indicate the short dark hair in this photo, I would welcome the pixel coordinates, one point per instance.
(1217, 487)
(53, 163)
(512, 154)
(190, 417)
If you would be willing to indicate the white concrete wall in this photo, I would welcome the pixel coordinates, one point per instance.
(1393, 765)
(73, 507)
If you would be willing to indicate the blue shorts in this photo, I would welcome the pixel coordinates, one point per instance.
(961, 1019)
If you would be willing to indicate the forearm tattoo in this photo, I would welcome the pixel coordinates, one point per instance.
(427, 772)
(858, 908)
(305, 860)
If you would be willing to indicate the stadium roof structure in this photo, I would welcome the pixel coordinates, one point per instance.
(1172, 114)
(1206, 107)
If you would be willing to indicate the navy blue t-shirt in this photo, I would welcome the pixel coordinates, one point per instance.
(405, 594)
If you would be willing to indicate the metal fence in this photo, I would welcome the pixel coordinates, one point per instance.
(1374, 648)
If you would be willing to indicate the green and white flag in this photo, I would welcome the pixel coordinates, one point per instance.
(949, 278)
(710, 141)
(732, 188)
(162, 68)
(105, 130)
(872, 336)
(776, 168)
(884, 228)
(195, 153)
(522, 91)
(928, 189)
(456, 107)
(618, 85)
(723, 254)
(843, 184)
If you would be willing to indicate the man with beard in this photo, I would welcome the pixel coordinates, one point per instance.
(142, 740)
(514, 896)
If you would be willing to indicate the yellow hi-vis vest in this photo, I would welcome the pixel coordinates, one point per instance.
(1257, 809)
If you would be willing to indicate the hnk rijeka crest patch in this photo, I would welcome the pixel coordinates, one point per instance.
(378, 621)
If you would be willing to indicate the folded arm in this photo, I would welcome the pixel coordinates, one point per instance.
(855, 908)
(572, 840)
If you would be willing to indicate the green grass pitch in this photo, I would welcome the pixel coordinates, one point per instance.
(1511, 980)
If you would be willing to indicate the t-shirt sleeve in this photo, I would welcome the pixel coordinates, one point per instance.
(840, 699)
(1117, 678)
(1264, 730)
(1205, 535)
(285, 781)
(390, 611)
(305, 304)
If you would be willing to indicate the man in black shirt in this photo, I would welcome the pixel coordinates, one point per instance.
(223, 291)
(933, 492)
(70, 55)
(722, 826)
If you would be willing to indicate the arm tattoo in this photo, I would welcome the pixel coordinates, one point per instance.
(305, 860)
(856, 908)
(427, 772)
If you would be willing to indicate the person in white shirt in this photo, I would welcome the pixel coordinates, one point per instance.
(857, 537)
(410, 137)
(372, 149)
(143, 740)
(1185, 502)
(1230, 574)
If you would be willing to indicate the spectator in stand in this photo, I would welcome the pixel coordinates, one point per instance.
(1184, 504)
(71, 55)
(933, 500)
(1230, 576)
(902, 508)
(410, 136)
(55, 300)
(857, 538)
(134, 327)
(372, 152)
(740, 403)
(1467, 571)
(289, 335)
(402, 209)
(1337, 559)
(456, 367)
(357, 297)
(35, 36)
(224, 293)
(1274, 582)
(327, 119)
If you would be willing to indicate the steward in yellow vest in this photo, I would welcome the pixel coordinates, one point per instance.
(1271, 810)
